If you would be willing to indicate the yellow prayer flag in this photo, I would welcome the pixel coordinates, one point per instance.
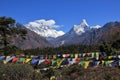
(109, 57)
(4, 61)
(54, 56)
(97, 54)
(86, 64)
(52, 78)
(76, 55)
(111, 61)
(59, 62)
(103, 62)
(27, 60)
(32, 56)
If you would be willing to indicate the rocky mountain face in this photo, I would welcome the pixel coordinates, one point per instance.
(32, 40)
(83, 34)
(79, 34)
(110, 31)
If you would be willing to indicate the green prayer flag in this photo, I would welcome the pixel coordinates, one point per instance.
(21, 60)
(81, 63)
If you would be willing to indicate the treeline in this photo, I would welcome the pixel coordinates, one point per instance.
(108, 47)
(63, 49)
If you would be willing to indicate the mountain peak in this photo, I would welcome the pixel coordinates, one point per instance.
(84, 23)
(81, 28)
(45, 28)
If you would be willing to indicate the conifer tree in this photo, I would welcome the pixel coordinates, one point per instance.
(8, 30)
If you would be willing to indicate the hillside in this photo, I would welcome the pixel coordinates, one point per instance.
(32, 40)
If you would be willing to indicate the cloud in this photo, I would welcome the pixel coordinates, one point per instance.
(42, 22)
(45, 28)
(46, 22)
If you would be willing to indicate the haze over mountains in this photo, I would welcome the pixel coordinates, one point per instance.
(42, 33)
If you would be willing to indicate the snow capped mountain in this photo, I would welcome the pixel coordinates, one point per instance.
(79, 29)
(45, 28)
(32, 40)
(82, 28)
(75, 33)
(84, 23)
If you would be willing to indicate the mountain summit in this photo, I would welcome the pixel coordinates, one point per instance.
(76, 32)
(45, 28)
(79, 29)
(84, 23)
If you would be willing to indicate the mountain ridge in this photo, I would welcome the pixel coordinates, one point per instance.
(32, 40)
(75, 32)
(82, 34)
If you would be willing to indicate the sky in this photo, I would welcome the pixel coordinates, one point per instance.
(65, 12)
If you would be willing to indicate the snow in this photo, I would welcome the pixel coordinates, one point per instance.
(95, 27)
(83, 27)
(45, 28)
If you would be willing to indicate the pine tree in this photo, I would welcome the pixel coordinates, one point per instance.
(7, 30)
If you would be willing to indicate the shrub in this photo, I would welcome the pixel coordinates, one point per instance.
(18, 72)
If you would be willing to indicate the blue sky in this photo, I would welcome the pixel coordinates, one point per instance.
(64, 12)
